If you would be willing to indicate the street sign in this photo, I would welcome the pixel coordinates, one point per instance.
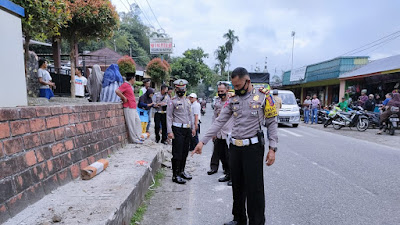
(298, 74)
(161, 45)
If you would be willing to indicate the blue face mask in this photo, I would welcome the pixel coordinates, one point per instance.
(242, 91)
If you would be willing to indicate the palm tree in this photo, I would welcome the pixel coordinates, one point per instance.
(221, 55)
(231, 41)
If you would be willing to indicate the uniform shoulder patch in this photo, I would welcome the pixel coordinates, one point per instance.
(264, 91)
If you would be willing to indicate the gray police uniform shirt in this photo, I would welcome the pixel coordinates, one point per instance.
(227, 128)
(247, 112)
(159, 98)
(179, 111)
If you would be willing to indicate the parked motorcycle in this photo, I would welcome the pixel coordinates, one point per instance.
(355, 118)
(373, 118)
(392, 122)
(322, 116)
(332, 116)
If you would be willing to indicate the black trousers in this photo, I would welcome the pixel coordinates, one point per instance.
(160, 118)
(248, 183)
(180, 143)
(195, 140)
(220, 152)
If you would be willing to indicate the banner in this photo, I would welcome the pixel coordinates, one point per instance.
(298, 74)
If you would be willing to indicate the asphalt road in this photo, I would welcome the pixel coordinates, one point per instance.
(318, 178)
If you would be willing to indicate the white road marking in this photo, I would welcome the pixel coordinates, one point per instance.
(283, 135)
(292, 133)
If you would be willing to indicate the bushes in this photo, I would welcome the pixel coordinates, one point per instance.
(126, 65)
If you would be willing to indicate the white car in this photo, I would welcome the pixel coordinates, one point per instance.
(289, 114)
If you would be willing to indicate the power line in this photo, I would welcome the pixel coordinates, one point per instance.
(365, 47)
(384, 43)
(124, 5)
(154, 15)
(145, 15)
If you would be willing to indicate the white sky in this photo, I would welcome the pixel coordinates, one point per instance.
(324, 29)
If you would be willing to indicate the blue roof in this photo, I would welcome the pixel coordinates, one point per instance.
(12, 7)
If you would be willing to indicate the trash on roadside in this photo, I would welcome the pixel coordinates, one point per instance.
(141, 162)
(93, 169)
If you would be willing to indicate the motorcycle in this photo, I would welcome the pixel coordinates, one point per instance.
(203, 111)
(332, 116)
(373, 118)
(355, 118)
(322, 116)
(392, 122)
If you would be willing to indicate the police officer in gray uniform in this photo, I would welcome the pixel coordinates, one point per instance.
(247, 108)
(180, 129)
(160, 116)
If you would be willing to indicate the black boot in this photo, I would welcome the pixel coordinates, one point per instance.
(176, 173)
(182, 170)
(225, 178)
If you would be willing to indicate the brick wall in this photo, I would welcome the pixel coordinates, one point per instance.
(42, 148)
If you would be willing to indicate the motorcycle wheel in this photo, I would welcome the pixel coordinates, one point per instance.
(363, 124)
(327, 123)
(337, 126)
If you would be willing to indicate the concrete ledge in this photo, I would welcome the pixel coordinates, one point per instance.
(111, 197)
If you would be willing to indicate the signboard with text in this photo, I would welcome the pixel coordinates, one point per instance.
(298, 74)
(161, 45)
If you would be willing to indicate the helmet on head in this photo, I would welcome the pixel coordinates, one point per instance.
(275, 92)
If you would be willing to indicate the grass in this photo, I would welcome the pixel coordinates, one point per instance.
(138, 216)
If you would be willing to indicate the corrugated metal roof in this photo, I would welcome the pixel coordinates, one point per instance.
(376, 66)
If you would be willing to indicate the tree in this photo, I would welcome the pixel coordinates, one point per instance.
(90, 19)
(43, 19)
(196, 54)
(231, 40)
(158, 70)
(126, 65)
(221, 55)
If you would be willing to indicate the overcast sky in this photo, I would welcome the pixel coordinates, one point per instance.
(324, 29)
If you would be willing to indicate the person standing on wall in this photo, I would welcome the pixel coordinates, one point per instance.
(249, 108)
(125, 92)
(80, 84)
(221, 148)
(45, 80)
(160, 117)
(315, 105)
(180, 129)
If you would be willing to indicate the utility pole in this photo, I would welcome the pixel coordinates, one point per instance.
(293, 34)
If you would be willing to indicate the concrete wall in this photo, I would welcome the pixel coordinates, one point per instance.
(12, 70)
(44, 147)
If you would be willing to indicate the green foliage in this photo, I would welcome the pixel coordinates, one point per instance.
(43, 18)
(195, 54)
(221, 55)
(231, 40)
(159, 70)
(126, 65)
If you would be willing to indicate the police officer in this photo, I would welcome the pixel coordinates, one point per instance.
(249, 108)
(220, 144)
(160, 116)
(180, 128)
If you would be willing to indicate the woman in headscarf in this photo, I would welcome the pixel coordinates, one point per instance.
(94, 83)
(394, 102)
(111, 81)
(144, 106)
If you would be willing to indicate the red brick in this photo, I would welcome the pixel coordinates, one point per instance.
(97, 115)
(70, 131)
(64, 176)
(37, 125)
(69, 145)
(59, 133)
(20, 127)
(47, 136)
(67, 109)
(58, 148)
(30, 158)
(31, 141)
(43, 153)
(13, 146)
(9, 114)
(62, 162)
(51, 168)
(87, 108)
(6, 190)
(22, 181)
(4, 130)
(73, 118)
(43, 111)
(56, 110)
(50, 184)
(27, 113)
(84, 117)
(53, 122)
(35, 193)
(91, 159)
(77, 109)
(80, 129)
(17, 203)
(64, 120)
(12, 166)
(88, 127)
(75, 171)
(1, 150)
(39, 172)
(84, 163)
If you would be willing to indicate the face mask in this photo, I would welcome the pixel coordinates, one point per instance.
(180, 93)
(242, 91)
(222, 96)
